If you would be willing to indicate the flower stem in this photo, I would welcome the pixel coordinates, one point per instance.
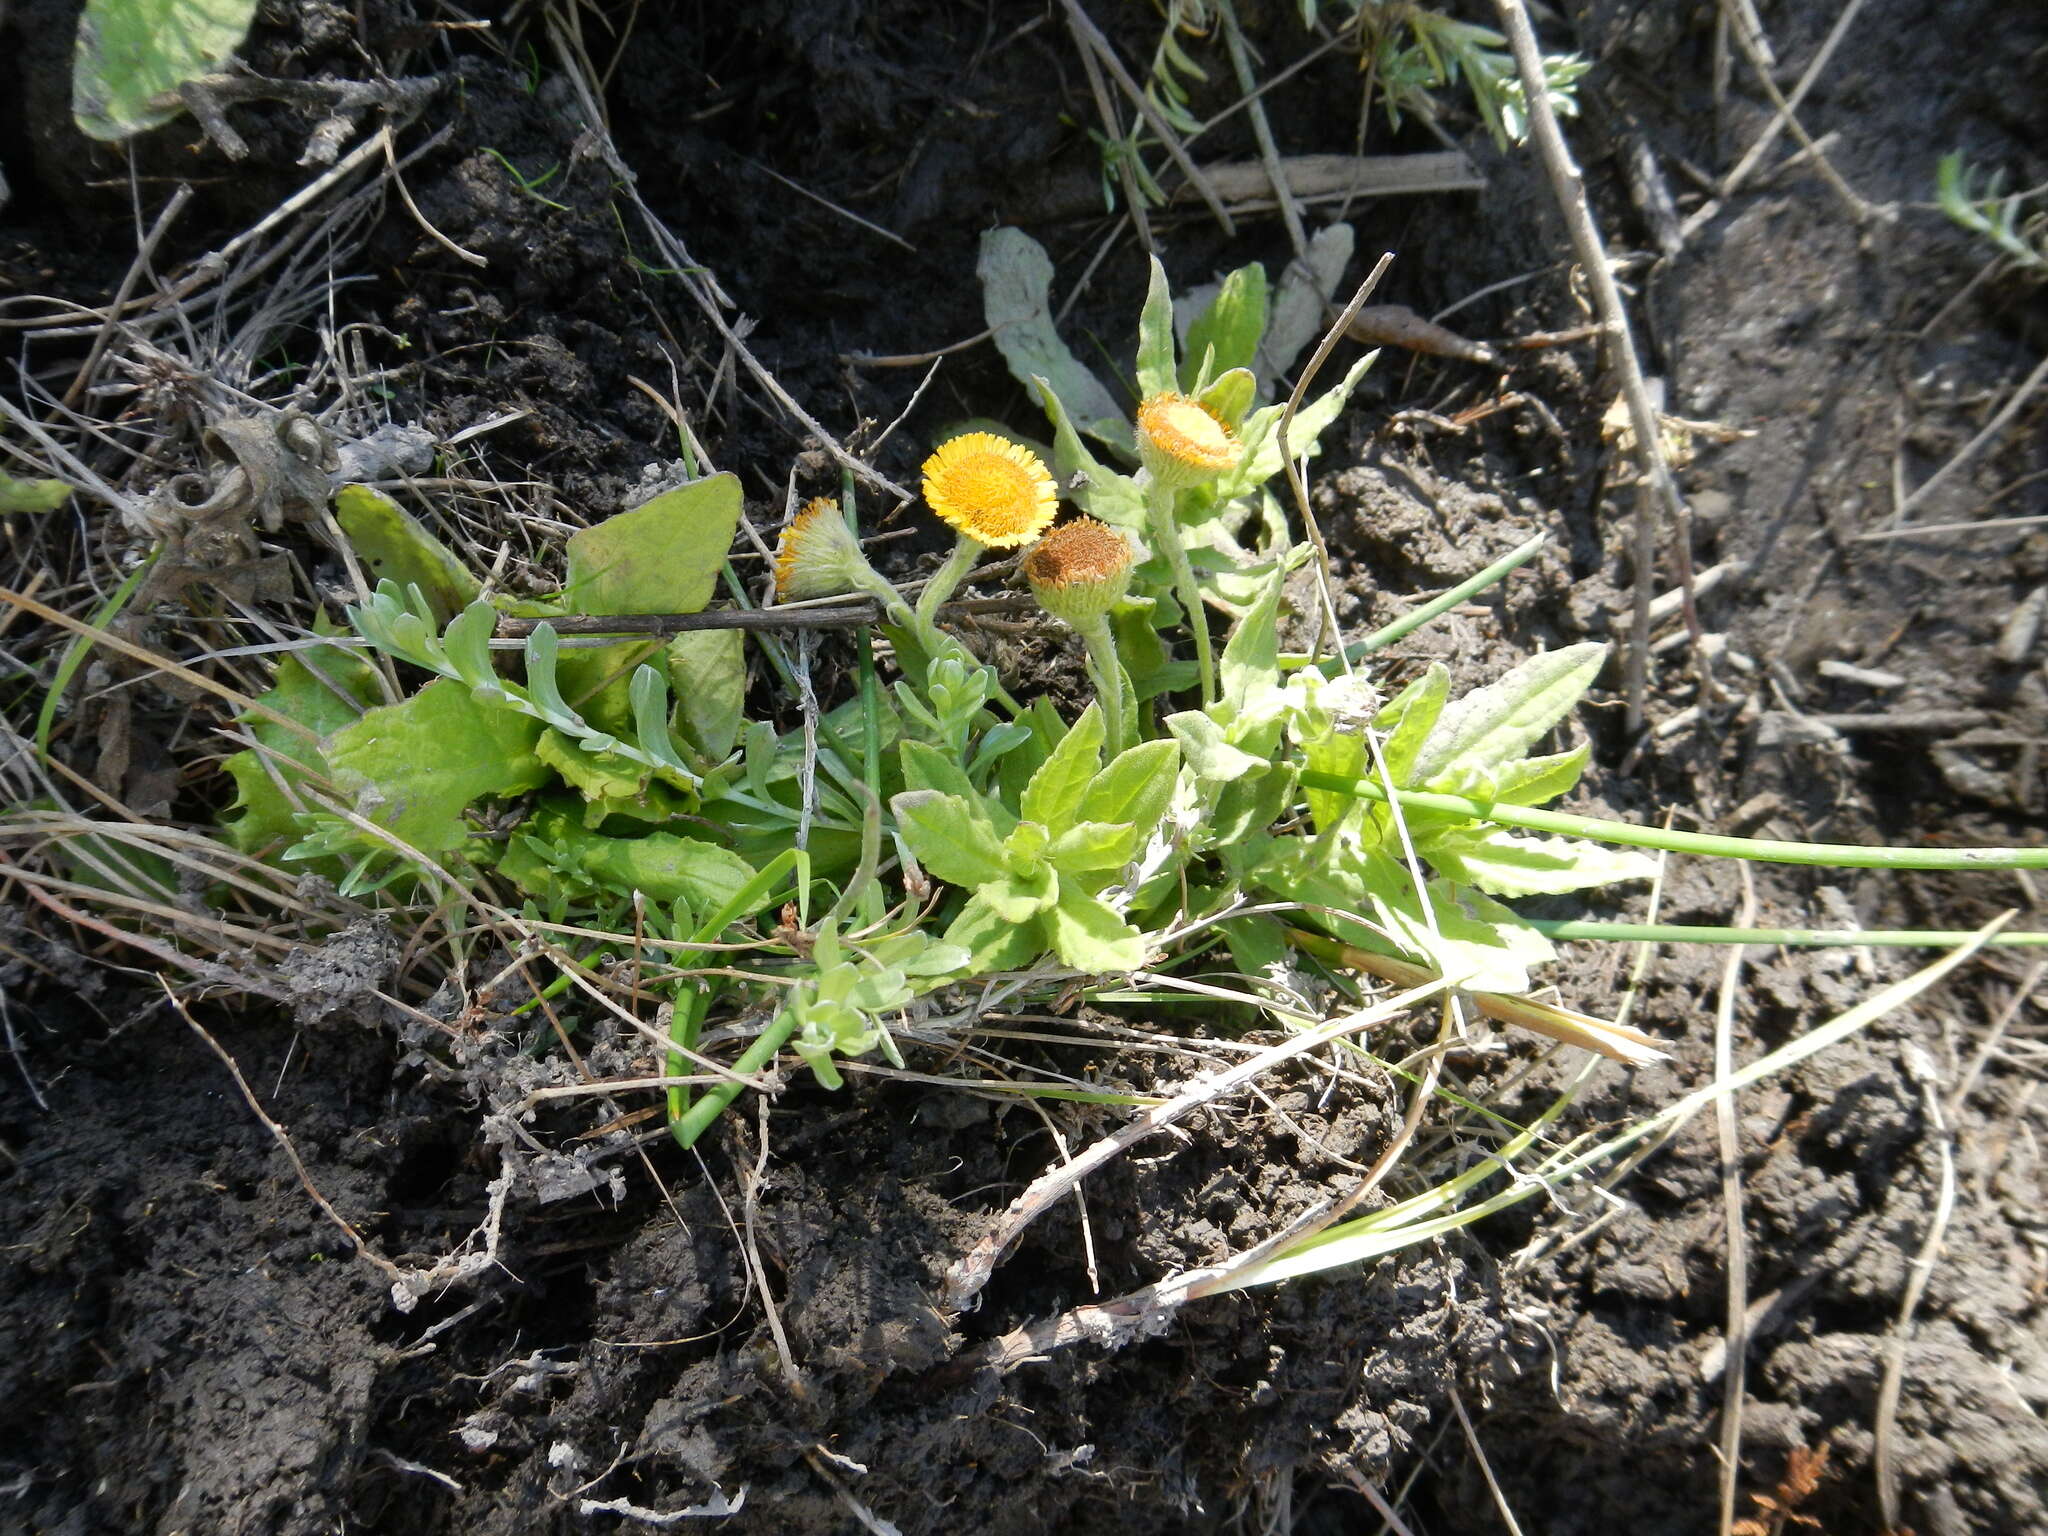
(1108, 674)
(1159, 501)
(945, 581)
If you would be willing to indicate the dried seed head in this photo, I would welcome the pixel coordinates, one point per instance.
(1080, 570)
(1183, 442)
(817, 555)
(990, 489)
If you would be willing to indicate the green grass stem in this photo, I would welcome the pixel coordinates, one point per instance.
(1682, 933)
(1705, 844)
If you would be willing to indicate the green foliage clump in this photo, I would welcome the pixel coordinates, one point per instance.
(943, 833)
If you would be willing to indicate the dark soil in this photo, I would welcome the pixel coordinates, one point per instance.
(186, 1342)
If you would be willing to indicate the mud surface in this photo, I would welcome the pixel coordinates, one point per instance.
(186, 1342)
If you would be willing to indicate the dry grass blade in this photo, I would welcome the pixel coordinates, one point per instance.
(1728, 1128)
(967, 1275)
(1612, 1039)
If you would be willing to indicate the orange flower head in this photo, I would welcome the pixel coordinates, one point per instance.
(1183, 442)
(817, 555)
(991, 490)
(1080, 570)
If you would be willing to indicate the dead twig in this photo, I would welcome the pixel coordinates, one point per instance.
(1568, 183)
(1092, 41)
(966, 1277)
(1884, 1421)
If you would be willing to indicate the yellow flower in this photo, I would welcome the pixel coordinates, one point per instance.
(990, 489)
(817, 556)
(1080, 570)
(1184, 443)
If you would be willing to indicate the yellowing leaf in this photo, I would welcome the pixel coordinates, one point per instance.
(133, 55)
(32, 495)
(396, 546)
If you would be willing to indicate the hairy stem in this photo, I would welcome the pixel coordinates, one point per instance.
(1108, 675)
(946, 580)
(1159, 501)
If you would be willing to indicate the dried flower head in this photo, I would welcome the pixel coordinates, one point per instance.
(817, 555)
(1183, 442)
(990, 489)
(1080, 570)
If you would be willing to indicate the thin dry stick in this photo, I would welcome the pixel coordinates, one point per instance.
(1860, 210)
(1105, 108)
(1371, 1495)
(1884, 1423)
(1994, 1036)
(966, 1277)
(1975, 445)
(1093, 40)
(143, 253)
(751, 1247)
(1262, 133)
(1731, 1206)
(1335, 630)
(1569, 185)
(1500, 1499)
(1757, 47)
(363, 1246)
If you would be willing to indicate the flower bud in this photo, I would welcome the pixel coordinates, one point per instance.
(818, 556)
(1080, 571)
(1183, 443)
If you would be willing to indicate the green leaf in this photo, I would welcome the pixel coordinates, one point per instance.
(1135, 789)
(1409, 717)
(1090, 937)
(708, 671)
(663, 866)
(395, 546)
(1213, 758)
(1246, 808)
(1250, 668)
(1504, 863)
(1016, 296)
(992, 943)
(1094, 487)
(133, 55)
(1145, 659)
(1231, 326)
(32, 495)
(1090, 847)
(416, 766)
(1019, 898)
(949, 838)
(1155, 337)
(1054, 794)
(1258, 944)
(607, 782)
(1232, 395)
(664, 556)
(1537, 780)
(262, 813)
(1261, 460)
(1503, 720)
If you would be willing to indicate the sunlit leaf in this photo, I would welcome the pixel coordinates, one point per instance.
(133, 55)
